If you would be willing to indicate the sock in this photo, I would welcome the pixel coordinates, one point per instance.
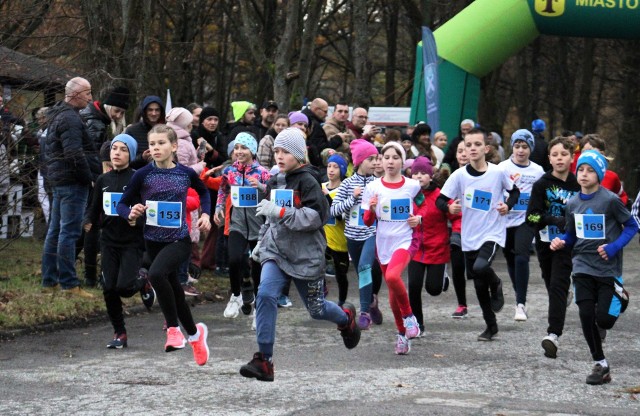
(603, 363)
(267, 357)
(195, 336)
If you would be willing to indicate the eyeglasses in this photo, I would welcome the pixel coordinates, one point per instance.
(363, 117)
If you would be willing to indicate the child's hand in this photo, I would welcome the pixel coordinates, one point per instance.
(357, 191)
(218, 217)
(211, 171)
(136, 212)
(373, 203)
(255, 183)
(557, 244)
(455, 207)
(602, 252)
(204, 223)
(502, 208)
(414, 220)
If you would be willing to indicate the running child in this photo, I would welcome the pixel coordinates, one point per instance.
(158, 192)
(524, 173)
(292, 247)
(121, 247)
(482, 186)
(389, 200)
(598, 227)
(546, 214)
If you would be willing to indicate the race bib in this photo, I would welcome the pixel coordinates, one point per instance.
(548, 233)
(477, 199)
(522, 203)
(356, 216)
(396, 209)
(590, 226)
(331, 221)
(282, 197)
(164, 214)
(110, 202)
(244, 196)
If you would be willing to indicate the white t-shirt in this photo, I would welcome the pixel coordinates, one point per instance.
(479, 197)
(392, 212)
(523, 177)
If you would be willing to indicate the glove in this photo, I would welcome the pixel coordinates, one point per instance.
(269, 210)
(255, 253)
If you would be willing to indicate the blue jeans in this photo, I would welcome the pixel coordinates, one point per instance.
(272, 280)
(65, 227)
(363, 254)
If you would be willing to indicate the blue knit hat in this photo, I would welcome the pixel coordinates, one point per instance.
(248, 141)
(525, 136)
(131, 143)
(538, 126)
(594, 159)
(339, 160)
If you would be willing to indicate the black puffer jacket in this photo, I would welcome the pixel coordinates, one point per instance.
(70, 156)
(97, 122)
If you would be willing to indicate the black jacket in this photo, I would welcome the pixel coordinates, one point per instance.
(549, 197)
(218, 155)
(139, 131)
(116, 231)
(70, 156)
(97, 123)
(317, 139)
(540, 153)
(450, 157)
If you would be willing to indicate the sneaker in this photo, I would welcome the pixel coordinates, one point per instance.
(190, 290)
(412, 330)
(175, 339)
(78, 291)
(488, 334)
(233, 307)
(497, 297)
(460, 313)
(258, 368)
(350, 332)
(364, 321)
(599, 375)
(194, 271)
(521, 313)
(248, 298)
(284, 302)
(550, 345)
(375, 312)
(253, 320)
(330, 270)
(622, 294)
(199, 346)
(403, 345)
(445, 283)
(118, 341)
(147, 294)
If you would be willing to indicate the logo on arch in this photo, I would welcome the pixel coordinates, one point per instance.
(550, 8)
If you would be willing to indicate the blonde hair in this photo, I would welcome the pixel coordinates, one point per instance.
(164, 129)
(117, 127)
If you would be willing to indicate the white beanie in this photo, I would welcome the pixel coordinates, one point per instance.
(397, 146)
(292, 140)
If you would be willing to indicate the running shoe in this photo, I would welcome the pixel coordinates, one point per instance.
(497, 297)
(258, 368)
(412, 330)
(118, 341)
(190, 290)
(147, 294)
(403, 345)
(233, 307)
(460, 313)
(375, 312)
(488, 334)
(284, 302)
(330, 270)
(364, 321)
(521, 313)
(350, 331)
(175, 339)
(199, 346)
(550, 345)
(599, 375)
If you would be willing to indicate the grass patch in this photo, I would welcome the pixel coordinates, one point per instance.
(23, 305)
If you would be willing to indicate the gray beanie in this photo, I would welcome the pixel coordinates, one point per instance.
(292, 140)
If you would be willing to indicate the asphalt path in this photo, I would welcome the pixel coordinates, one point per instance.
(448, 371)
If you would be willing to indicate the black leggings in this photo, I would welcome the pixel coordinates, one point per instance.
(238, 248)
(485, 280)
(165, 259)
(341, 264)
(376, 277)
(458, 274)
(433, 282)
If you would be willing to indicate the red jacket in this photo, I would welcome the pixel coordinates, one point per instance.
(431, 237)
(611, 181)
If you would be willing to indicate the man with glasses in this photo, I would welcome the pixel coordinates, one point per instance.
(359, 126)
(151, 112)
(316, 137)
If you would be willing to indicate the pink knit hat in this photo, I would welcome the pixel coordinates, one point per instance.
(360, 150)
(180, 117)
(422, 165)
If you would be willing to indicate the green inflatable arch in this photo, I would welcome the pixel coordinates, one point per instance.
(487, 32)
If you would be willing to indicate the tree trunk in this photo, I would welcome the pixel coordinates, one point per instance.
(362, 84)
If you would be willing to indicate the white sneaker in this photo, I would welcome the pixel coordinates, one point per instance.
(550, 345)
(253, 320)
(233, 307)
(521, 313)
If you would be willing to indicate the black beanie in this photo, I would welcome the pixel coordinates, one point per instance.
(118, 97)
(208, 112)
(105, 152)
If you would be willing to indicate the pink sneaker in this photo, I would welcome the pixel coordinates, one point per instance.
(403, 345)
(412, 330)
(200, 347)
(175, 339)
